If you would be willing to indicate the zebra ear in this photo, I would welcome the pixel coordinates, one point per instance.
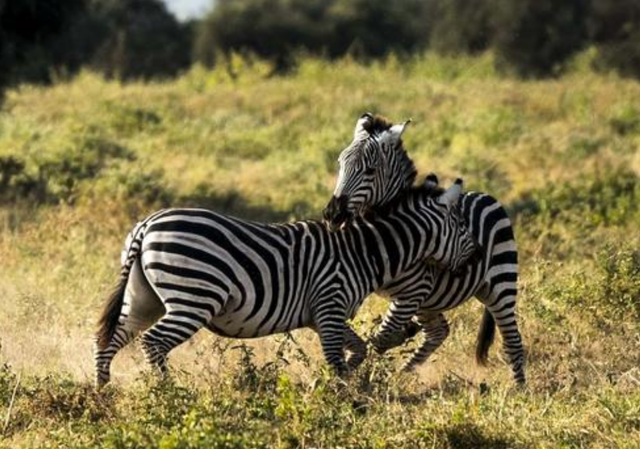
(431, 181)
(450, 197)
(363, 125)
(396, 131)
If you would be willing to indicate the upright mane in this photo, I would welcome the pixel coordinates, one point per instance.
(378, 125)
(422, 190)
(405, 167)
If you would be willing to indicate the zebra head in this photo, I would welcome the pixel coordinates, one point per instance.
(374, 169)
(458, 246)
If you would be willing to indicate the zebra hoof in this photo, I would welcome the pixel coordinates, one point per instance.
(408, 369)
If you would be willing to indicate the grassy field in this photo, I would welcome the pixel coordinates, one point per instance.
(80, 161)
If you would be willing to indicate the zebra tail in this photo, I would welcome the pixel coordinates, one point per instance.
(486, 336)
(108, 321)
(110, 316)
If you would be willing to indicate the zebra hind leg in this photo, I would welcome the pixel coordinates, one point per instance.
(435, 329)
(140, 308)
(502, 306)
(357, 348)
(103, 355)
(129, 326)
(173, 329)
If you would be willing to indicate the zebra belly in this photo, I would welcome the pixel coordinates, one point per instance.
(451, 290)
(231, 326)
(245, 309)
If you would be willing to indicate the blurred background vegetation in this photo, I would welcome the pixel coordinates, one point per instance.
(113, 109)
(41, 40)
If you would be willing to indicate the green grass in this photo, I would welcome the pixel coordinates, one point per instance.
(81, 160)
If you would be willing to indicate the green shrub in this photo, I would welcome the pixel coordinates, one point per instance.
(64, 169)
(609, 199)
(128, 120)
(625, 120)
(131, 185)
(619, 269)
(57, 174)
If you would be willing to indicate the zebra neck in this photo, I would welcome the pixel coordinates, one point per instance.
(402, 240)
(383, 248)
(363, 259)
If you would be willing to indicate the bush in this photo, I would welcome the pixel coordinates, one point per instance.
(610, 199)
(620, 282)
(57, 174)
(625, 120)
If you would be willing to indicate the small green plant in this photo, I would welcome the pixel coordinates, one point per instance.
(625, 120)
(619, 282)
(609, 199)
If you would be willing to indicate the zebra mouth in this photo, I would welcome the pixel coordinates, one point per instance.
(339, 223)
(336, 216)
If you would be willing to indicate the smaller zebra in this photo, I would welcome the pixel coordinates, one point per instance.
(188, 269)
(375, 171)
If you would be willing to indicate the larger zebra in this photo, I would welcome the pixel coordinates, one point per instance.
(185, 269)
(374, 172)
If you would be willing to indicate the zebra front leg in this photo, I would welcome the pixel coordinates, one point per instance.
(357, 348)
(332, 331)
(435, 329)
(392, 331)
(173, 329)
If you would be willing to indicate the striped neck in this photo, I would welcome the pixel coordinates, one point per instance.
(378, 250)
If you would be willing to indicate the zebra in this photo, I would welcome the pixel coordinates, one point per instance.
(374, 172)
(187, 269)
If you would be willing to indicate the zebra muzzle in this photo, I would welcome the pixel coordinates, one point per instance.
(335, 215)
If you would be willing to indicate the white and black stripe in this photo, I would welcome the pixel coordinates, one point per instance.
(492, 279)
(185, 269)
(426, 292)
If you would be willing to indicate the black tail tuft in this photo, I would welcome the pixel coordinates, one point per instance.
(110, 315)
(486, 336)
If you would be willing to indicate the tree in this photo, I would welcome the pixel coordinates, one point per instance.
(534, 37)
(135, 39)
(614, 26)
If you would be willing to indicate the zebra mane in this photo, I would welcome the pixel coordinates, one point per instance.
(406, 167)
(378, 125)
(422, 190)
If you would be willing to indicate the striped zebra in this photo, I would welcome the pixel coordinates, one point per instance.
(185, 269)
(375, 170)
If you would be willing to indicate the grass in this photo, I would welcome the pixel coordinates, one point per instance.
(81, 160)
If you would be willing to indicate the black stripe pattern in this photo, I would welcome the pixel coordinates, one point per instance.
(190, 269)
(421, 294)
